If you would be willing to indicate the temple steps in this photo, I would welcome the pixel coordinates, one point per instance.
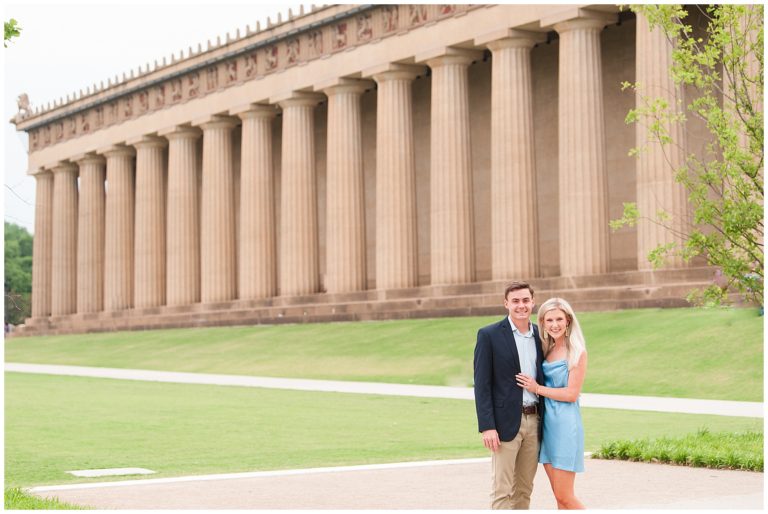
(611, 291)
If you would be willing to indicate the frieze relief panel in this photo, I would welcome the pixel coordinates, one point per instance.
(343, 35)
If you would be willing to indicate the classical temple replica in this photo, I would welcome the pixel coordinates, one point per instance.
(358, 162)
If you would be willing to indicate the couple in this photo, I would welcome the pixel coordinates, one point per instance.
(527, 387)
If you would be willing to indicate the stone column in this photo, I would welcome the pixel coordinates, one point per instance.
(64, 261)
(90, 230)
(396, 230)
(257, 276)
(514, 217)
(218, 259)
(657, 165)
(42, 246)
(118, 245)
(183, 230)
(298, 216)
(345, 247)
(149, 250)
(743, 78)
(583, 186)
(451, 206)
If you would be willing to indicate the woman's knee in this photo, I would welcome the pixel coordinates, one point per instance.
(567, 500)
(563, 492)
(563, 497)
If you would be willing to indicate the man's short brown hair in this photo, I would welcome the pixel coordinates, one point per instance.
(516, 286)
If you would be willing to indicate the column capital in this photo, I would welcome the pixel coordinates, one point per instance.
(578, 18)
(297, 98)
(444, 55)
(88, 158)
(216, 121)
(64, 166)
(116, 151)
(343, 85)
(40, 173)
(510, 38)
(394, 71)
(254, 110)
(147, 142)
(180, 132)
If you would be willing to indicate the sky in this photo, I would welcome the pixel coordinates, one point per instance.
(65, 47)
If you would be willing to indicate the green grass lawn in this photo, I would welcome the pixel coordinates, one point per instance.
(16, 499)
(56, 424)
(693, 353)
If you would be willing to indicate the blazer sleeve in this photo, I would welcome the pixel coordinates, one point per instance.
(484, 382)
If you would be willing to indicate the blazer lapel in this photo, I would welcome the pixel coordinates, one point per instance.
(509, 337)
(539, 352)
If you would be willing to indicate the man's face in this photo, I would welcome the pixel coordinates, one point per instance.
(519, 304)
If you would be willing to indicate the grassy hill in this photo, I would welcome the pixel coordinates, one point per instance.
(693, 353)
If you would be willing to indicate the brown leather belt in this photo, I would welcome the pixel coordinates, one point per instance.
(529, 409)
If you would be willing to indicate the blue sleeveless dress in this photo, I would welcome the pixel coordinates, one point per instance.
(563, 439)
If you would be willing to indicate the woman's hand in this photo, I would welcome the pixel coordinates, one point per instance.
(527, 383)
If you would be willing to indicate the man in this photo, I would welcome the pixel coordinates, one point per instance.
(507, 415)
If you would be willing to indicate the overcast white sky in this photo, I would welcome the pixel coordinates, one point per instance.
(65, 47)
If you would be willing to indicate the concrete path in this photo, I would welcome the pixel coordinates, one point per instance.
(608, 401)
(460, 484)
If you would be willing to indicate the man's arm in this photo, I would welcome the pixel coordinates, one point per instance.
(483, 364)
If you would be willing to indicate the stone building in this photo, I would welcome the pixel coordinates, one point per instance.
(357, 162)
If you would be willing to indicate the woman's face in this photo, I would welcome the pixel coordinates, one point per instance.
(555, 323)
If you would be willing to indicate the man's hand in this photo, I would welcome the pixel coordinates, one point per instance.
(491, 440)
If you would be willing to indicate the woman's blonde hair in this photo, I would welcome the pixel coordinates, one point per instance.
(574, 338)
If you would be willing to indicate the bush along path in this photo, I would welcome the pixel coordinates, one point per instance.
(722, 450)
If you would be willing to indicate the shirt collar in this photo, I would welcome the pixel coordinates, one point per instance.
(514, 328)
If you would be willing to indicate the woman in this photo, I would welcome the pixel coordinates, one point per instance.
(565, 364)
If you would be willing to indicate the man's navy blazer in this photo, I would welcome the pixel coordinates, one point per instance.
(498, 398)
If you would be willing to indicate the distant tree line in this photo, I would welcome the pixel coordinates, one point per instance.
(18, 243)
(18, 273)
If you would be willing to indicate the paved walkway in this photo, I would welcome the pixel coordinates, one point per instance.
(460, 484)
(608, 401)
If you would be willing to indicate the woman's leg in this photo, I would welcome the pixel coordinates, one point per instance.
(548, 469)
(562, 486)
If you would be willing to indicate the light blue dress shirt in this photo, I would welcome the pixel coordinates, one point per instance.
(526, 349)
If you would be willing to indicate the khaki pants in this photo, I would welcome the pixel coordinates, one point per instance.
(514, 466)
